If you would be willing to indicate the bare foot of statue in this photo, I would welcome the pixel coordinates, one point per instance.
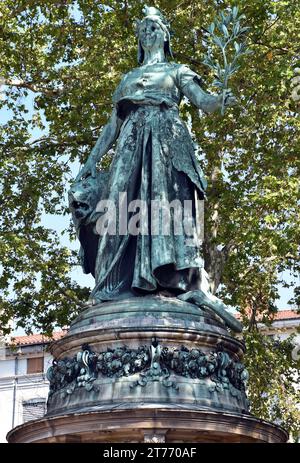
(204, 299)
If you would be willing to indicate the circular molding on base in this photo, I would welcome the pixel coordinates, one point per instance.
(174, 423)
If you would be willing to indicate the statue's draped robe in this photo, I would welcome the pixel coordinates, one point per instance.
(154, 160)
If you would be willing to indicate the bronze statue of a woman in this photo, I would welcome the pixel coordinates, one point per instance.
(154, 161)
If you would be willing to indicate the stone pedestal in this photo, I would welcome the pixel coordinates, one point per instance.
(147, 369)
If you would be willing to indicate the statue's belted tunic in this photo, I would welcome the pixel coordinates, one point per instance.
(154, 161)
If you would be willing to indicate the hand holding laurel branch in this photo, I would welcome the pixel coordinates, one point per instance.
(228, 40)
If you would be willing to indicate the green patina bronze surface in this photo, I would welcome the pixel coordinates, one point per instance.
(154, 160)
(153, 363)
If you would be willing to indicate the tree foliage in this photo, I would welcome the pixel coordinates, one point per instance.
(273, 388)
(64, 58)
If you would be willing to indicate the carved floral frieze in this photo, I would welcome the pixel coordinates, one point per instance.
(152, 363)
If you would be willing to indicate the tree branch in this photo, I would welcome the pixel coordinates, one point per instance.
(32, 86)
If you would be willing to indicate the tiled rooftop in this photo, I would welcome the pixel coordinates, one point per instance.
(280, 315)
(286, 315)
(36, 338)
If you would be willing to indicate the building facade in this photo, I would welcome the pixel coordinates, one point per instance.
(24, 361)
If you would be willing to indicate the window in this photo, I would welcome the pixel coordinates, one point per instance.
(35, 365)
(34, 409)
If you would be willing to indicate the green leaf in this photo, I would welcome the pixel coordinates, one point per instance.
(218, 41)
(225, 31)
(235, 12)
(237, 46)
(211, 28)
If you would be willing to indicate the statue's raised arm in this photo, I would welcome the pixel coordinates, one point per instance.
(106, 139)
(191, 84)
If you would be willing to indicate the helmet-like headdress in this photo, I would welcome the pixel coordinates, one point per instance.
(153, 13)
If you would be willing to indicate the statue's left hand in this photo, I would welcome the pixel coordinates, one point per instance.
(89, 169)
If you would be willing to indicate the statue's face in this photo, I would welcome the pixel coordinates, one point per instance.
(151, 35)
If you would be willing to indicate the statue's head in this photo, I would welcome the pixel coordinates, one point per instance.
(153, 31)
